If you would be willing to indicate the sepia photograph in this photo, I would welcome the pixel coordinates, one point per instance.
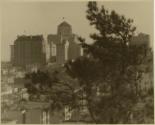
(77, 62)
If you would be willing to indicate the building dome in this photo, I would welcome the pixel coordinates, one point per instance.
(64, 23)
(64, 28)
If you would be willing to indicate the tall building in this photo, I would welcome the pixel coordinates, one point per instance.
(64, 45)
(28, 50)
(141, 39)
(12, 53)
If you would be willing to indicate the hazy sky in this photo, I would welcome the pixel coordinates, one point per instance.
(43, 17)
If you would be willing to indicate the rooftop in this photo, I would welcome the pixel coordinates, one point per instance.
(29, 37)
(64, 23)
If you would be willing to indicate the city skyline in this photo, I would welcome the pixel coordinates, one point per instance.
(51, 74)
(32, 18)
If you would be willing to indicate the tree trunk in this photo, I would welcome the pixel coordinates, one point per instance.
(92, 115)
(88, 98)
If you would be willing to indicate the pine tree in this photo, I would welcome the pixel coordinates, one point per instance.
(111, 63)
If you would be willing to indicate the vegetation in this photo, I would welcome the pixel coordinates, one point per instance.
(112, 63)
(46, 86)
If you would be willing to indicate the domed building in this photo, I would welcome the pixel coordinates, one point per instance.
(64, 45)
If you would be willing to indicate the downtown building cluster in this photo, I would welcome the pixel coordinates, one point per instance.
(31, 50)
